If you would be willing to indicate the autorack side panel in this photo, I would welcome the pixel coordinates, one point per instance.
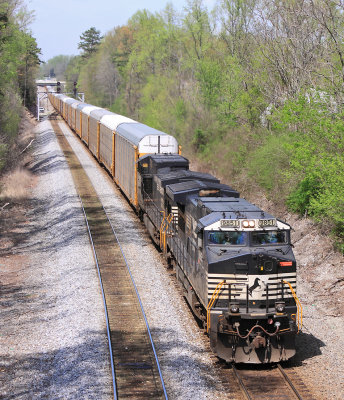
(69, 109)
(65, 107)
(126, 155)
(75, 112)
(132, 141)
(85, 121)
(106, 146)
(94, 130)
(60, 103)
(107, 131)
(78, 119)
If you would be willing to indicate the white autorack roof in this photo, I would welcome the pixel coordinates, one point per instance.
(75, 105)
(112, 121)
(87, 110)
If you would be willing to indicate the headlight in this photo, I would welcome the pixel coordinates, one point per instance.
(280, 307)
(234, 309)
(248, 224)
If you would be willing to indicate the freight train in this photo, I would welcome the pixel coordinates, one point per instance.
(233, 260)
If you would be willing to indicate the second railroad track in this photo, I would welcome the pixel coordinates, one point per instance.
(135, 366)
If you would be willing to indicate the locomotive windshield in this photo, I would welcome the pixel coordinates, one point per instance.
(240, 238)
(227, 238)
(270, 237)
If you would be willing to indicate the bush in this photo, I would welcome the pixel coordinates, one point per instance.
(3, 149)
(268, 163)
(200, 140)
(299, 200)
(316, 170)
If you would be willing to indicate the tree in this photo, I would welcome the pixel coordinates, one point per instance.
(197, 25)
(291, 44)
(237, 17)
(56, 67)
(329, 15)
(19, 59)
(107, 79)
(30, 67)
(90, 41)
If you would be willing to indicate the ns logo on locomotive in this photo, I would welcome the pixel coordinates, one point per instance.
(234, 261)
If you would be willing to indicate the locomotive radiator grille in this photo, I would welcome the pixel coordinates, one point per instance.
(258, 286)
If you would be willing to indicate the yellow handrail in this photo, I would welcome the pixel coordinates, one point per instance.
(212, 301)
(163, 229)
(298, 305)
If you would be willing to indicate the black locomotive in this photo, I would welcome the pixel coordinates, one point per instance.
(234, 261)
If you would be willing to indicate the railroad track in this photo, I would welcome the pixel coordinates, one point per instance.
(136, 372)
(254, 382)
(265, 383)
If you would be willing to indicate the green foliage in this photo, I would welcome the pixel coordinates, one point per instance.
(3, 150)
(180, 110)
(259, 100)
(209, 76)
(56, 67)
(71, 72)
(200, 139)
(19, 60)
(89, 42)
(160, 108)
(316, 159)
(268, 161)
(300, 199)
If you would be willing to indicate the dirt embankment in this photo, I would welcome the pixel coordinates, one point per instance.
(16, 183)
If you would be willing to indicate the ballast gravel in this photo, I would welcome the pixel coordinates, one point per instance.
(53, 338)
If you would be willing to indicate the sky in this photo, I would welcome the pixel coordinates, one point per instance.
(58, 24)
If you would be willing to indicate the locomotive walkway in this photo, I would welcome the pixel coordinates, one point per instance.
(136, 371)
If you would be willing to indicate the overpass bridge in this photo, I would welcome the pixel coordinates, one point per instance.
(56, 86)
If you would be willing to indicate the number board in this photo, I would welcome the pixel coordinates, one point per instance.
(266, 222)
(229, 223)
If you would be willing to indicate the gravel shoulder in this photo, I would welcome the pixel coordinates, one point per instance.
(53, 338)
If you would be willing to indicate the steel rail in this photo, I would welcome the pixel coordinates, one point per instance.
(104, 302)
(141, 306)
(290, 383)
(241, 383)
(283, 374)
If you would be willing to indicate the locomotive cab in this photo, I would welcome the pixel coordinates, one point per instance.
(238, 270)
(251, 275)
